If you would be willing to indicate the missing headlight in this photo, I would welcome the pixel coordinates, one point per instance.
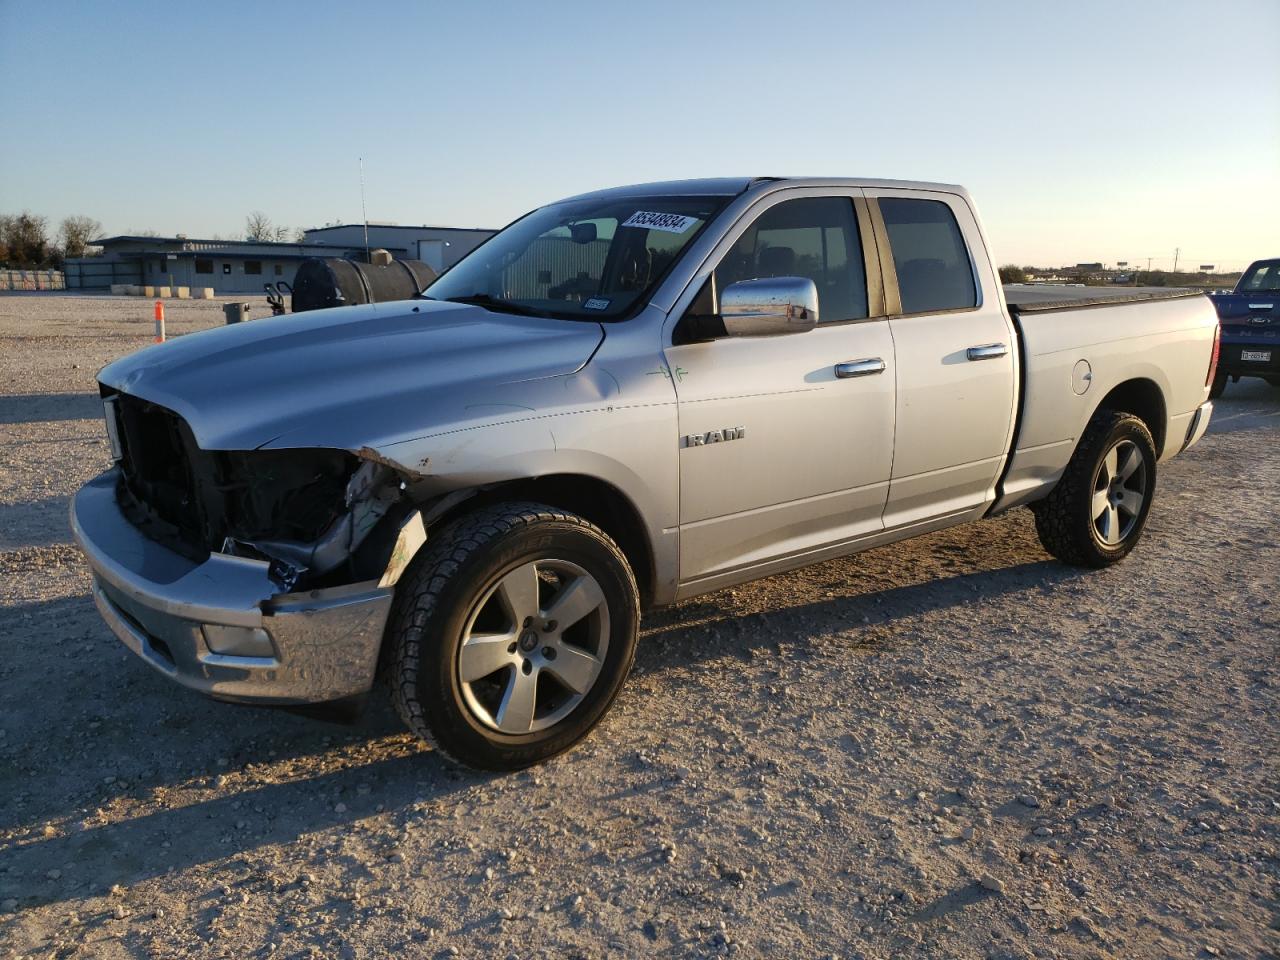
(309, 517)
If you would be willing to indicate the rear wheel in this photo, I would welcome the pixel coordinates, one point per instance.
(1219, 385)
(511, 635)
(1096, 513)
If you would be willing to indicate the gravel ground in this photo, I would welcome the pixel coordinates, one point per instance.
(949, 748)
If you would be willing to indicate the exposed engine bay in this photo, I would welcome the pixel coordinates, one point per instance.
(310, 513)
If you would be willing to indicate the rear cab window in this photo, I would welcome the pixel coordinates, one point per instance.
(935, 272)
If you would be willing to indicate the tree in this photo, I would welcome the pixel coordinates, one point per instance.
(76, 233)
(1010, 273)
(27, 239)
(6, 224)
(258, 226)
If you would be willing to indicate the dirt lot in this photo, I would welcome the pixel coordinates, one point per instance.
(951, 748)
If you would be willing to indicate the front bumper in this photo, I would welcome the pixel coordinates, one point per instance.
(222, 627)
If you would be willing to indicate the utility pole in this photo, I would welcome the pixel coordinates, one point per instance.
(364, 212)
(1176, 251)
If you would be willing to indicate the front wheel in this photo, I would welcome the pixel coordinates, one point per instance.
(511, 634)
(1096, 513)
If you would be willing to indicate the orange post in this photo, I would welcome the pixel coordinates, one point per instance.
(159, 321)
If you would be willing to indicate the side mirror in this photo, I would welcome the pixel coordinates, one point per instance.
(582, 233)
(769, 306)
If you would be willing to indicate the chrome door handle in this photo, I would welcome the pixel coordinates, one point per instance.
(859, 368)
(988, 351)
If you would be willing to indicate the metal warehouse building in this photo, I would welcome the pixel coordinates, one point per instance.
(438, 247)
(244, 266)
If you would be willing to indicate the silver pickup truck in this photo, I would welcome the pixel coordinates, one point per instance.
(621, 400)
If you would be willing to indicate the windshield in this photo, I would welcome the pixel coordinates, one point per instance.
(1262, 277)
(591, 259)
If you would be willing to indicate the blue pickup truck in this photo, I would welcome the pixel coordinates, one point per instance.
(1250, 318)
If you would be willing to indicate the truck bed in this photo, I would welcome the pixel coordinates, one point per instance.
(1039, 297)
(1164, 338)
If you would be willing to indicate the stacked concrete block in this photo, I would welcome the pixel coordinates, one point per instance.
(182, 293)
(164, 293)
(204, 293)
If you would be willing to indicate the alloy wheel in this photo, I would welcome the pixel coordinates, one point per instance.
(533, 646)
(1119, 492)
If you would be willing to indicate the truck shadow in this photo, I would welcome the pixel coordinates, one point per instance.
(27, 524)
(49, 407)
(864, 614)
(92, 734)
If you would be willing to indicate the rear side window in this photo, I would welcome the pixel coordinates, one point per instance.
(929, 254)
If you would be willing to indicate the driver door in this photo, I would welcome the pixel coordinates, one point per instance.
(786, 441)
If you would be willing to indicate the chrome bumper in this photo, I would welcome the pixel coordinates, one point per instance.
(222, 627)
(1199, 423)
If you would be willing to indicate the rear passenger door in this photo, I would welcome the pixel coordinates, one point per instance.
(956, 355)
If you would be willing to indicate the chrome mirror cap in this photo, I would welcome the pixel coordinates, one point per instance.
(769, 306)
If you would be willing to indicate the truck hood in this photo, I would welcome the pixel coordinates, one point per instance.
(352, 376)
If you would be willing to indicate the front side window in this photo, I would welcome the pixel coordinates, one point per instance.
(1262, 277)
(929, 255)
(813, 237)
(592, 259)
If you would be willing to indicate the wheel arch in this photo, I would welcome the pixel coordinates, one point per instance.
(593, 499)
(1143, 398)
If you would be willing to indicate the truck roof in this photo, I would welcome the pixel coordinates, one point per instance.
(732, 186)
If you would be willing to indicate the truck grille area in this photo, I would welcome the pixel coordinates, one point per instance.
(192, 500)
(157, 486)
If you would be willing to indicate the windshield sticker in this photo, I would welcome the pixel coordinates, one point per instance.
(666, 222)
(597, 303)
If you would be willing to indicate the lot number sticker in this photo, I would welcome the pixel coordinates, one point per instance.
(666, 222)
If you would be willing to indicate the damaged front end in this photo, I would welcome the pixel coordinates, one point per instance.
(306, 512)
(329, 526)
(260, 576)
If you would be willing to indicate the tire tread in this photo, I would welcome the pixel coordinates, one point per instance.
(1059, 530)
(418, 595)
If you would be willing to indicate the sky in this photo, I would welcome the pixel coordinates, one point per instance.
(1086, 131)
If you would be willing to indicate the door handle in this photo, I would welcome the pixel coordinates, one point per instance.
(859, 368)
(988, 351)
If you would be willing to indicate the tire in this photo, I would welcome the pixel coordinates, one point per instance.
(483, 594)
(1274, 381)
(1219, 385)
(1085, 521)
